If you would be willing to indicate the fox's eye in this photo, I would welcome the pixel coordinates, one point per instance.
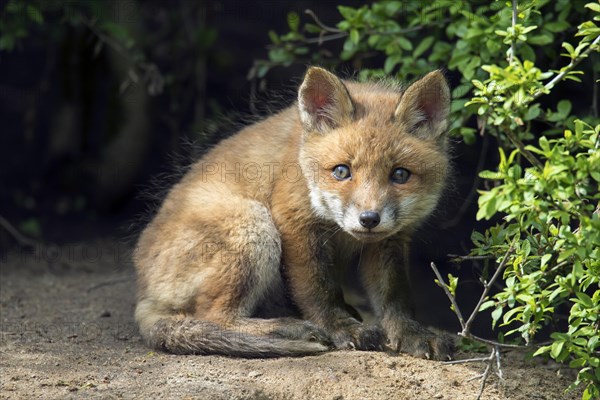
(341, 172)
(400, 175)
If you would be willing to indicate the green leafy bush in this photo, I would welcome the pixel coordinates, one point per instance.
(544, 192)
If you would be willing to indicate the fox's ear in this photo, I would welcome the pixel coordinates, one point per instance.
(425, 105)
(324, 101)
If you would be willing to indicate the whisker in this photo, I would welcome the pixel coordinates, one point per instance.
(332, 235)
(327, 231)
(362, 246)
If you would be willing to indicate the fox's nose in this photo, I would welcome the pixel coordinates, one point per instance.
(369, 219)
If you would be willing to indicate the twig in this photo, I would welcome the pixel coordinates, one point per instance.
(494, 357)
(459, 258)
(498, 365)
(486, 373)
(466, 326)
(321, 24)
(325, 38)
(152, 76)
(595, 89)
(566, 70)
(105, 38)
(18, 236)
(442, 283)
(338, 33)
(487, 286)
(514, 22)
(467, 360)
(526, 153)
(492, 342)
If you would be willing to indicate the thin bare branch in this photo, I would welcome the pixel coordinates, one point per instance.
(325, 38)
(526, 153)
(487, 286)
(595, 88)
(514, 22)
(21, 239)
(442, 283)
(469, 335)
(593, 46)
(321, 24)
(466, 326)
(152, 75)
(467, 360)
(486, 373)
(459, 258)
(499, 365)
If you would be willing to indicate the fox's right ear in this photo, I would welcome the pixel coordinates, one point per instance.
(323, 101)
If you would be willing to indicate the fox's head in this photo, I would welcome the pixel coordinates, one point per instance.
(375, 157)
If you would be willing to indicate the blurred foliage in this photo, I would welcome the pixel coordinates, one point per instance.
(102, 67)
(510, 56)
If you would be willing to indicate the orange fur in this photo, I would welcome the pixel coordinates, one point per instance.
(261, 219)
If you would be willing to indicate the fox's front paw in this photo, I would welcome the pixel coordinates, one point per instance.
(352, 334)
(418, 341)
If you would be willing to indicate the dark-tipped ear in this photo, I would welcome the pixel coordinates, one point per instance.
(324, 101)
(425, 105)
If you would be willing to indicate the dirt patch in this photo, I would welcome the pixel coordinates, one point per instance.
(67, 332)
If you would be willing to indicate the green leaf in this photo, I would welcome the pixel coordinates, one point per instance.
(570, 49)
(487, 304)
(593, 6)
(593, 343)
(35, 14)
(293, 20)
(577, 363)
(392, 7)
(118, 32)
(526, 248)
(564, 108)
(557, 26)
(545, 259)
(312, 28)
(31, 227)
(556, 349)
(532, 112)
(585, 299)
(423, 46)
(279, 55)
(391, 62)
(347, 12)
(354, 36)
(541, 350)
(496, 314)
(274, 37)
(404, 43)
(7, 42)
(542, 39)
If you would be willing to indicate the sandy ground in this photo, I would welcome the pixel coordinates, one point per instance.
(66, 331)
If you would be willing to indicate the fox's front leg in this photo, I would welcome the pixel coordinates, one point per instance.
(384, 268)
(308, 268)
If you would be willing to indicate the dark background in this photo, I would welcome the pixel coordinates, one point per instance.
(81, 158)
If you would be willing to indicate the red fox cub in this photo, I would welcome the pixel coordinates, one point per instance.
(269, 225)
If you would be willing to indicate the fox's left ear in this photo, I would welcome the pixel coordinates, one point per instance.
(424, 107)
(323, 101)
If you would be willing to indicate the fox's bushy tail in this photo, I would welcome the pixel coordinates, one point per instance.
(191, 336)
